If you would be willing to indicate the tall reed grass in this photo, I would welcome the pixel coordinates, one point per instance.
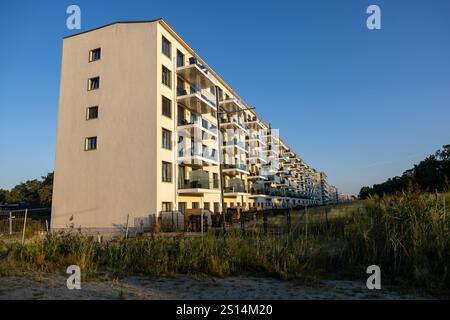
(407, 235)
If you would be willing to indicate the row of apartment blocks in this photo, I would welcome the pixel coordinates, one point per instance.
(158, 130)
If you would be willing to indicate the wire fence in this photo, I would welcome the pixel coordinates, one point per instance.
(27, 223)
(24, 223)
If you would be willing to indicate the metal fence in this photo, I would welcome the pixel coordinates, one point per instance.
(272, 221)
(24, 223)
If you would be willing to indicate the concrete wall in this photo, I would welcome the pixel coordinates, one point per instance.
(99, 188)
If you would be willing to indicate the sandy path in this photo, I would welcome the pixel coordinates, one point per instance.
(182, 287)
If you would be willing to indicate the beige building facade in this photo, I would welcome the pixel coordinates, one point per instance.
(146, 126)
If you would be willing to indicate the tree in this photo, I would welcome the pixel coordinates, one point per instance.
(430, 174)
(3, 194)
(34, 192)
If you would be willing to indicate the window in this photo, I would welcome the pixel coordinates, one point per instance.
(91, 143)
(94, 83)
(216, 207)
(181, 91)
(166, 206)
(166, 107)
(92, 113)
(94, 55)
(206, 206)
(182, 207)
(195, 205)
(215, 180)
(166, 171)
(166, 139)
(166, 77)
(166, 47)
(180, 59)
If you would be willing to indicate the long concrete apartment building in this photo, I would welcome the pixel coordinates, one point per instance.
(145, 126)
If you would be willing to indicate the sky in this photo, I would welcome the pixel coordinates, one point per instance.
(362, 105)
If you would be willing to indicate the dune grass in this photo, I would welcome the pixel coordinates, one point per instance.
(407, 235)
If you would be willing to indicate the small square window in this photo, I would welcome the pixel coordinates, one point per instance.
(94, 55)
(166, 107)
(94, 83)
(166, 47)
(91, 143)
(92, 113)
(166, 206)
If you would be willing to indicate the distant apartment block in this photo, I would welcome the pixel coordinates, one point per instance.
(146, 126)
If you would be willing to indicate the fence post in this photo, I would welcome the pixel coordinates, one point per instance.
(126, 230)
(46, 225)
(306, 228)
(205, 222)
(289, 220)
(265, 222)
(10, 223)
(201, 221)
(24, 226)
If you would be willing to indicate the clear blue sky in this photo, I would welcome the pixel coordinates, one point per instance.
(360, 105)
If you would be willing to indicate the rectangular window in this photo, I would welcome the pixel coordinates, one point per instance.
(166, 171)
(182, 207)
(180, 59)
(195, 205)
(92, 113)
(166, 77)
(166, 206)
(94, 83)
(216, 207)
(165, 46)
(215, 180)
(91, 143)
(94, 55)
(206, 206)
(166, 107)
(166, 139)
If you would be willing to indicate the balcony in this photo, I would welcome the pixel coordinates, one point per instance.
(235, 187)
(255, 122)
(231, 105)
(235, 168)
(275, 179)
(233, 123)
(255, 156)
(197, 100)
(198, 124)
(235, 143)
(198, 186)
(255, 139)
(258, 191)
(257, 175)
(194, 156)
(197, 74)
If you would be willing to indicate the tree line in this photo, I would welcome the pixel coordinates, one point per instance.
(32, 192)
(430, 175)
